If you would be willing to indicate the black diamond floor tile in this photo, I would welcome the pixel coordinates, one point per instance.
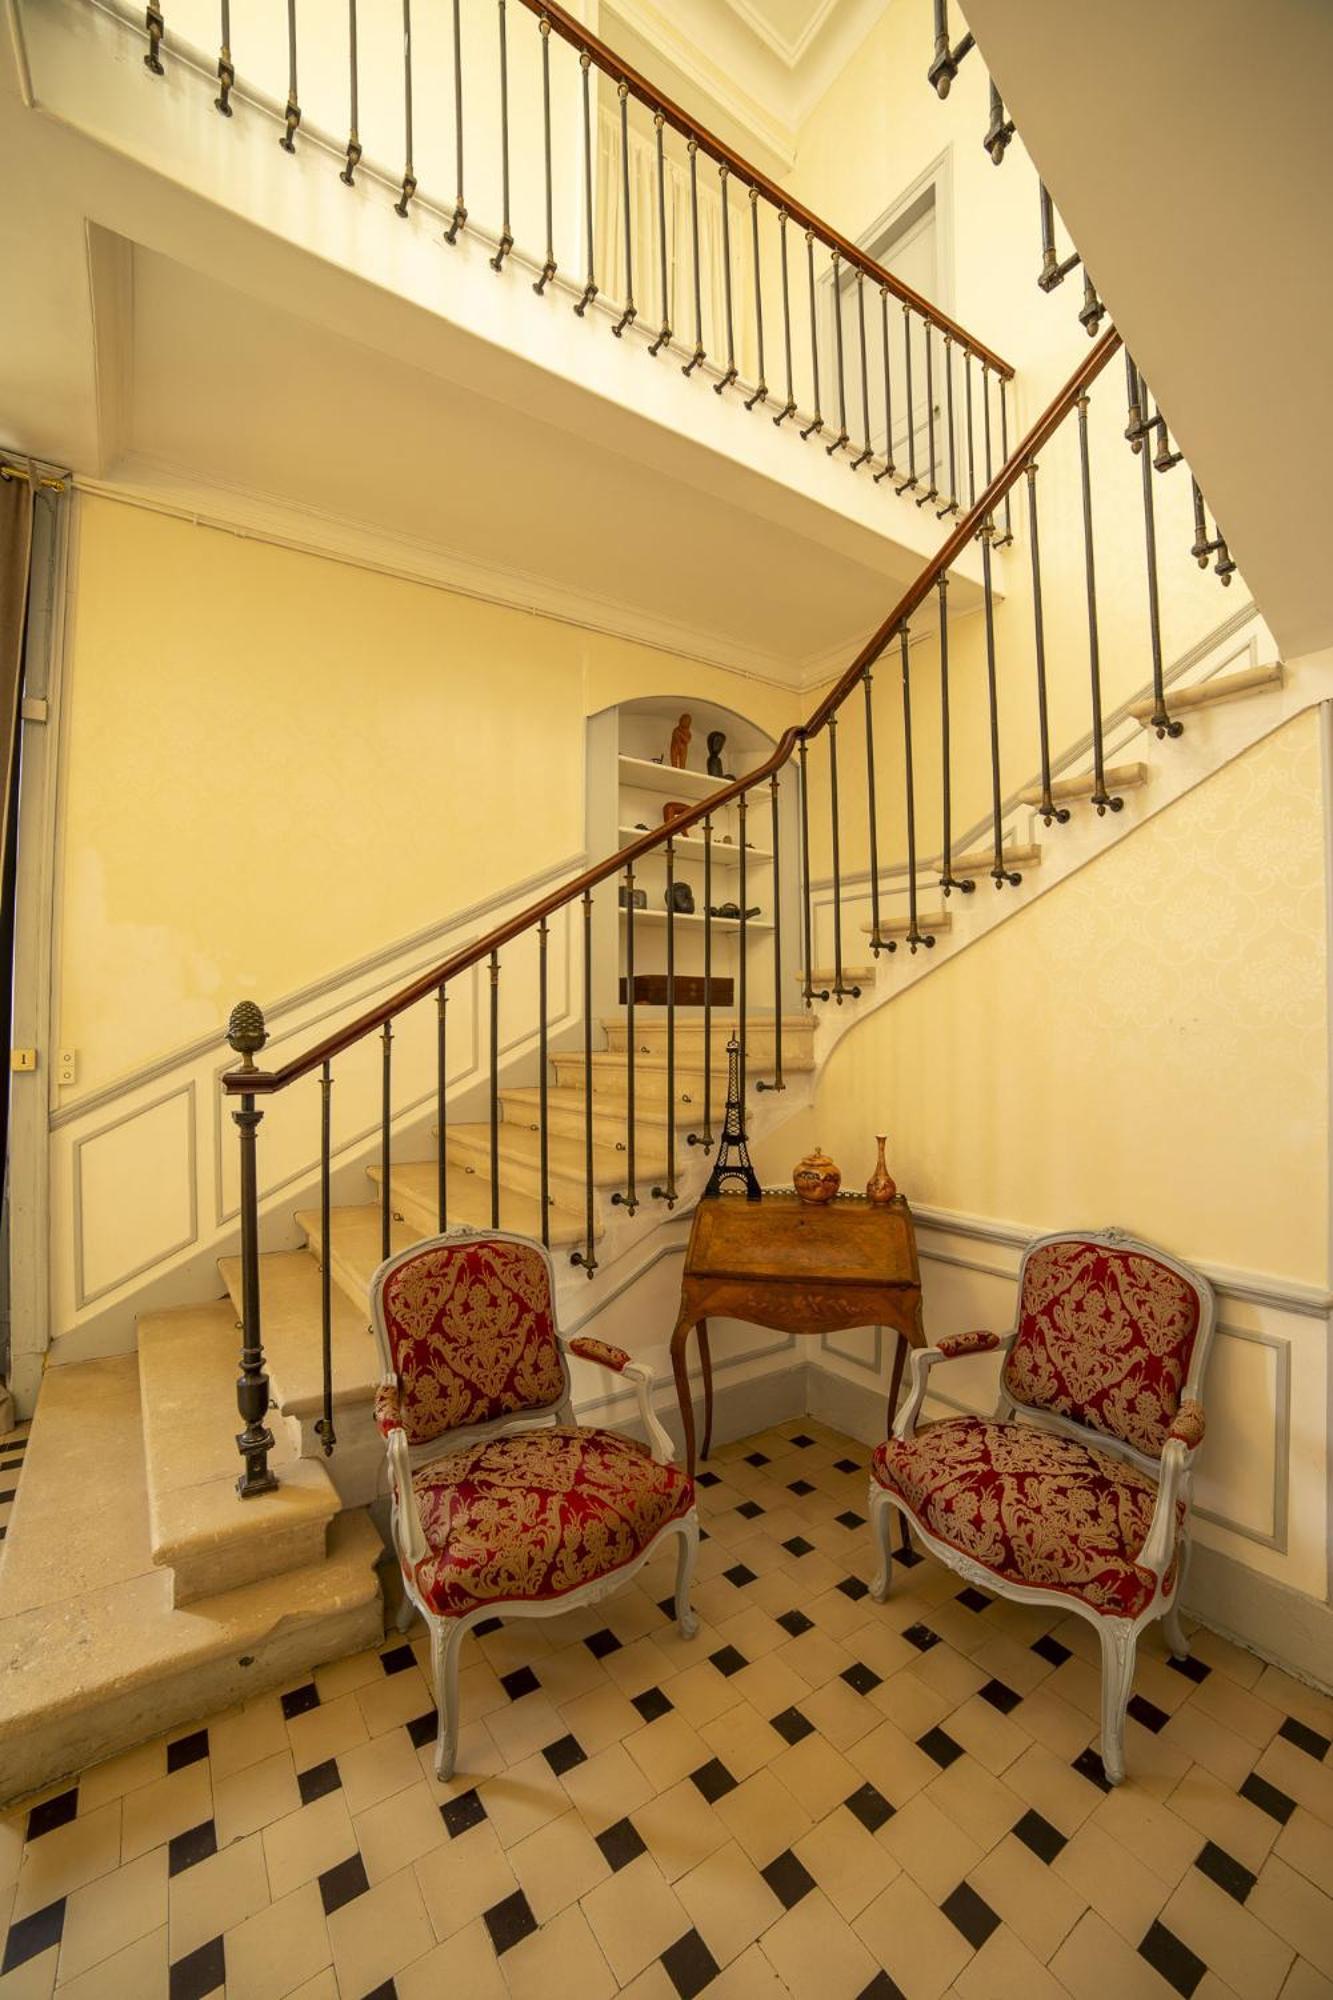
(850, 1519)
(999, 1696)
(800, 1440)
(796, 1622)
(800, 1487)
(1225, 1870)
(881, 1987)
(460, 1815)
(921, 1637)
(973, 1600)
(1192, 1669)
(1089, 1765)
(749, 1510)
(199, 1973)
(689, 1965)
(523, 1681)
(621, 1844)
(652, 1704)
(299, 1701)
(847, 1465)
(756, 1458)
(1268, 1798)
(1167, 1954)
(798, 1546)
(1038, 1834)
(870, 1806)
(706, 1479)
(908, 1556)
(486, 1627)
(398, 1659)
(601, 1643)
(510, 1922)
(728, 1660)
(667, 1607)
(187, 1750)
(1049, 1649)
(1147, 1713)
(422, 1729)
(853, 1587)
(343, 1883)
(194, 1845)
(52, 1813)
(318, 1780)
(385, 1991)
(938, 1743)
(564, 1754)
(739, 1575)
(788, 1878)
(1305, 1738)
(792, 1726)
(860, 1677)
(970, 1913)
(714, 1780)
(34, 1934)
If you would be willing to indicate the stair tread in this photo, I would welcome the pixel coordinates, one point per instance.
(566, 1157)
(927, 921)
(1222, 687)
(416, 1182)
(291, 1313)
(982, 858)
(826, 975)
(1119, 778)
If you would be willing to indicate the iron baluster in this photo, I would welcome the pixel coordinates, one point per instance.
(548, 269)
(905, 484)
(888, 468)
(915, 936)
(1000, 874)
(664, 331)
(409, 186)
(1136, 415)
(247, 1034)
(628, 1198)
(705, 1138)
(629, 311)
(865, 453)
(495, 1089)
(1206, 545)
(726, 379)
(952, 506)
(840, 991)
(1053, 270)
(775, 878)
(932, 492)
(506, 243)
(386, 1141)
(324, 1425)
(692, 148)
(1000, 129)
(971, 447)
(877, 943)
(948, 880)
(667, 1191)
(808, 982)
(944, 64)
(842, 438)
(761, 386)
(1100, 796)
(1092, 312)
(1163, 458)
(816, 422)
(459, 217)
(789, 407)
(226, 68)
(1048, 809)
(543, 1082)
(1008, 534)
(742, 953)
(589, 292)
(292, 115)
(441, 1108)
(985, 416)
(353, 160)
(1160, 720)
(586, 1258)
(156, 27)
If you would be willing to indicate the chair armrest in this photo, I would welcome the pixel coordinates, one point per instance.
(641, 1375)
(954, 1347)
(1189, 1425)
(409, 1534)
(1182, 1441)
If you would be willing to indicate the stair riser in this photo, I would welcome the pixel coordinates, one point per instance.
(796, 1042)
(566, 1189)
(608, 1083)
(209, 1574)
(608, 1127)
(423, 1217)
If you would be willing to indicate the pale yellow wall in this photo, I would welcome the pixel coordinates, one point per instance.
(1145, 1046)
(278, 763)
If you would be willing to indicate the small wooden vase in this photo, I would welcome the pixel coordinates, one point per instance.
(881, 1187)
(815, 1178)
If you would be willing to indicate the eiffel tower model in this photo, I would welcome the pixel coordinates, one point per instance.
(733, 1152)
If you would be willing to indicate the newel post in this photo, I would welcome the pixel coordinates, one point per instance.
(247, 1034)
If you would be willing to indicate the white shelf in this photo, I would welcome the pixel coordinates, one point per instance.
(728, 855)
(641, 774)
(683, 917)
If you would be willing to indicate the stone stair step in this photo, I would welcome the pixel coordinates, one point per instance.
(1205, 694)
(1119, 778)
(199, 1528)
(291, 1314)
(354, 1251)
(565, 1116)
(929, 923)
(519, 1155)
(97, 1658)
(824, 977)
(414, 1188)
(982, 859)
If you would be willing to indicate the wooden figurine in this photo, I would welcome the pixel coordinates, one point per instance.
(680, 742)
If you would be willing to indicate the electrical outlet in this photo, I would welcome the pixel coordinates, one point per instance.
(66, 1065)
(23, 1059)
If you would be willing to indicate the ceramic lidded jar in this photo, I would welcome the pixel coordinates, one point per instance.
(815, 1178)
(881, 1188)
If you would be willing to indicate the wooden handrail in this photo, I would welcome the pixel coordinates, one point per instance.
(611, 65)
(265, 1082)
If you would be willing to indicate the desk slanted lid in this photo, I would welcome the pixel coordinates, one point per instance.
(782, 1239)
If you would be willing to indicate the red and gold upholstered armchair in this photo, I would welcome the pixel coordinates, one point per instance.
(1077, 1491)
(502, 1504)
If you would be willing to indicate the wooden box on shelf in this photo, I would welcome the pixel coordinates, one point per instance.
(652, 989)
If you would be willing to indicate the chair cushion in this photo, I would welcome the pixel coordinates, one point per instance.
(471, 1335)
(1105, 1337)
(1030, 1507)
(522, 1519)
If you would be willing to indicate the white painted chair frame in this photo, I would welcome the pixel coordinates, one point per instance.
(1173, 1472)
(404, 1460)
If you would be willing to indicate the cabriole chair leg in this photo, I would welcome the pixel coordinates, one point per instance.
(1171, 1625)
(406, 1612)
(446, 1639)
(1119, 1643)
(881, 1529)
(686, 1557)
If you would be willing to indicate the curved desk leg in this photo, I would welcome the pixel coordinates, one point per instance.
(706, 1363)
(680, 1369)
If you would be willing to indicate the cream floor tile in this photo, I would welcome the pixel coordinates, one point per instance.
(1215, 1810)
(728, 1901)
(993, 1739)
(880, 1646)
(254, 1797)
(523, 1798)
(1095, 1962)
(524, 1726)
(841, 1716)
(158, 1812)
(753, 1631)
(246, 1735)
(340, 1677)
(569, 1673)
(517, 1644)
(122, 1774)
(1017, 1666)
(680, 1829)
(1112, 1880)
(949, 1672)
(216, 1894)
(375, 1770)
(116, 1910)
(1145, 1829)
(377, 1934)
(394, 1699)
(818, 1776)
(1297, 1911)
(814, 1657)
(763, 1816)
(1058, 1793)
(139, 1972)
(634, 1916)
(1304, 1983)
(909, 1704)
(11, 1850)
(1306, 1844)
(749, 1977)
(280, 1948)
(1306, 1779)
(1037, 1905)
(1062, 1730)
(607, 1787)
(813, 1951)
(398, 1830)
(1079, 1684)
(640, 1666)
(668, 1750)
(64, 1860)
(836, 1615)
(601, 1717)
(33, 1980)
(558, 1864)
(324, 1986)
(1215, 1651)
(478, 1757)
(1206, 1741)
(893, 1763)
(305, 1844)
(465, 1966)
(1004, 1969)
(1296, 1698)
(562, 1961)
(328, 1730)
(770, 1686)
(653, 1983)
(701, 1693)
(933, 1848)
(460, 1882)
(743, 1740)
(479, 1692)
(982, 1805)
(1252, 1959)
(849, 1864)
(1249, 1715)
(919, 1949)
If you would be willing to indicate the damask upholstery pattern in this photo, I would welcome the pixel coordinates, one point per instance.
(956, 1344)
(471, 1335)
(532, 1517)
(600, 1351)
(1104, 1337)
(1031, 1507)
(1189, 1425)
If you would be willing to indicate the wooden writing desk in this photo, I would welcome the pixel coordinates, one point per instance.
(786, 1263)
